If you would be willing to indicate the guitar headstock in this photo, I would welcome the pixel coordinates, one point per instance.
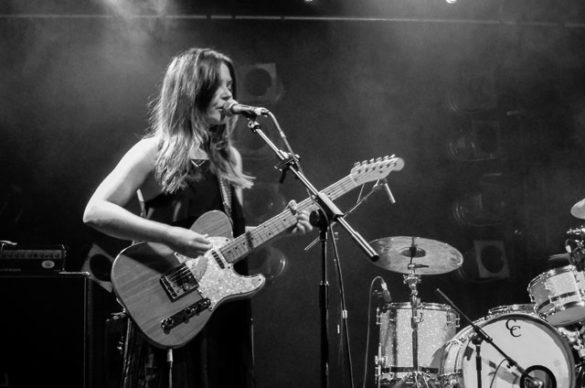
(374, 169)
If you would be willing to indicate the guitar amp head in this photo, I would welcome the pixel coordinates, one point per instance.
(32, 259)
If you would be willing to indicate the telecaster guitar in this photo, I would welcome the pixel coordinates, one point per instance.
(171, 297)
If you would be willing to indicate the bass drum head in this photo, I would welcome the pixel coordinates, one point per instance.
(535, 345)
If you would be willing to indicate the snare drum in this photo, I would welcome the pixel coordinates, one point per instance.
(438, 323)
(559, 295)
(530, 341)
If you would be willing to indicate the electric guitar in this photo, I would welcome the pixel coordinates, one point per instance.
(171, 297)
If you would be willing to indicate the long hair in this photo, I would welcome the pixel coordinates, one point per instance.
(177, 120)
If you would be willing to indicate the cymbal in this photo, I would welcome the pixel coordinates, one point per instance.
(560, 259)
(431, 257)
(578, 209)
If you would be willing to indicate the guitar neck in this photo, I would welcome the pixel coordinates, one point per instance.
(245, 243)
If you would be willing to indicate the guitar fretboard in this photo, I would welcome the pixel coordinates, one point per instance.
(245, 243)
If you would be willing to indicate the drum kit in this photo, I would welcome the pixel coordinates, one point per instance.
(540, 344)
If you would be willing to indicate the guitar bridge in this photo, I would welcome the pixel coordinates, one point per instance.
(183, 316)
(179, 282)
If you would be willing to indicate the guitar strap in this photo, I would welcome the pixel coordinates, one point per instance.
(226, 197)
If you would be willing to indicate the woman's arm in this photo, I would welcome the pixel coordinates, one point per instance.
(105, 210)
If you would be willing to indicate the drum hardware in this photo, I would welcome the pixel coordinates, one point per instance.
(575, 247)
(479, 335)
(575, 340)
(413, 257)
(379, 360)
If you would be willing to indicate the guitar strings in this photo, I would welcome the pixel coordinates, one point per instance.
(241, 242)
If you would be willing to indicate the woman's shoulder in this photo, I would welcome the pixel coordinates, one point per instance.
(143, 151)
(149, 145)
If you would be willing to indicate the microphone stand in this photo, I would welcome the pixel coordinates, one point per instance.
(331, 211)
(328, 214)
(480, 335)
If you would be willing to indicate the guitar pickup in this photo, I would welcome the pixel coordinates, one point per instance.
(179, 282)
(183, 316)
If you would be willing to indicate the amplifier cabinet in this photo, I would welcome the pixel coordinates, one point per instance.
(51, 331)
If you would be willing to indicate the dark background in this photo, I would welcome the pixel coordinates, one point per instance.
(484, 101)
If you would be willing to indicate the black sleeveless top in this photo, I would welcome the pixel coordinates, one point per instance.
(201, 195)
(221, 354)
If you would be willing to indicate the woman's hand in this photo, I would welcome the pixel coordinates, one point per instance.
(187, 242)
(303, 225)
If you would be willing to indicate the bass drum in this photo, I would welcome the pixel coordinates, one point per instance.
(531, 342)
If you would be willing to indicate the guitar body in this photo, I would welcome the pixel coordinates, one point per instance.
(171, 297)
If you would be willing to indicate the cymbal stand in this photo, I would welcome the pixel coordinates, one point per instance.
(576, 248)
(412, 280)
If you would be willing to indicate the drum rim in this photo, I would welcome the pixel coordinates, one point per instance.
(494, 310)
(433, 306)
(564, 307)
(551, 272)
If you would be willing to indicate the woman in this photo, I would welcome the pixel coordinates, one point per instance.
(183, 168)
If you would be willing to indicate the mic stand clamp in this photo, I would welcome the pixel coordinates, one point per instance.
(284, 165)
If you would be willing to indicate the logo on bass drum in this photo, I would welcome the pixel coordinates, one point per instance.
(513, 328)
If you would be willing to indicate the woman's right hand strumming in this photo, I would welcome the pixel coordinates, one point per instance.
(187, 242)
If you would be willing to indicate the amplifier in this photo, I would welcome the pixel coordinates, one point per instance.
(29, 259)
(52, 331)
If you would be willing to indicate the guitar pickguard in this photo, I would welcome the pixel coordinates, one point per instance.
(220, 281)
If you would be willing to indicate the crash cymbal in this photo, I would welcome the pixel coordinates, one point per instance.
(430, 257)
(578, 209)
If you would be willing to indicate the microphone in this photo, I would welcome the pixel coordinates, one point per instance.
(385, 292)
(232, 108)
(532, 382)
(384, 184)
(388, 192)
